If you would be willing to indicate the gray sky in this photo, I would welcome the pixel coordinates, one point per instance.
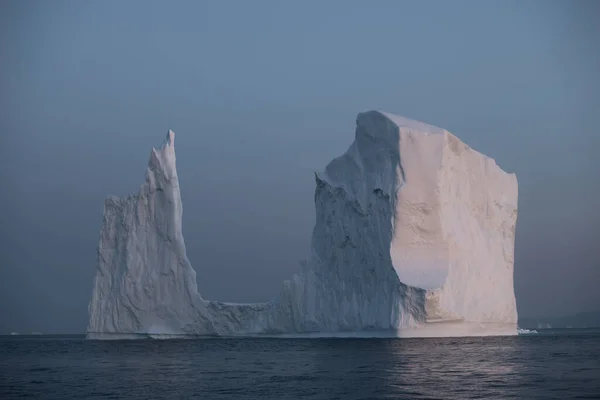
(263, 93)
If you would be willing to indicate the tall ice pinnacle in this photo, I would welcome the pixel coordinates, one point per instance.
(414, 236)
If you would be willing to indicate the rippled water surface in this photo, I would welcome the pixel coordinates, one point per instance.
(551, 365)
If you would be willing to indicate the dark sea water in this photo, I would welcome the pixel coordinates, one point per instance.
(552, 365)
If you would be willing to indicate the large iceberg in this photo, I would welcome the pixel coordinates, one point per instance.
(414, 236)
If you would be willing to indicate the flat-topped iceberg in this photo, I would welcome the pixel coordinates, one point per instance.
(414, 236)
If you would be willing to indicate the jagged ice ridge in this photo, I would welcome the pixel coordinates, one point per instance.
(414, 236)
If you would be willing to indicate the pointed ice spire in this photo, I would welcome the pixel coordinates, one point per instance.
(170, 138)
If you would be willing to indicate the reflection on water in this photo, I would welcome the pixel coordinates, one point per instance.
(424, 368)
(529, 367)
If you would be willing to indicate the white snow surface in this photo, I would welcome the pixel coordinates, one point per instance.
(414, 236)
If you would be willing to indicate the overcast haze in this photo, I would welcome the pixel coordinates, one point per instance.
(260, 95)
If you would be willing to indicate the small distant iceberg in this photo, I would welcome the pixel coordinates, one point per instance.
(522, 331)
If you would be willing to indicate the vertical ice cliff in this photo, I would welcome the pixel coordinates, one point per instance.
(144, 280)
(414, 236)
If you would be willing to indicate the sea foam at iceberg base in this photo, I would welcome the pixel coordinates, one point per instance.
(414, 237)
